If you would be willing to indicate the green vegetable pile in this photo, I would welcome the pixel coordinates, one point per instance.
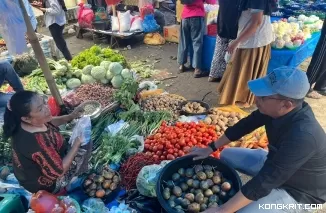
(95, 55)
(127, 93)
(143, 68)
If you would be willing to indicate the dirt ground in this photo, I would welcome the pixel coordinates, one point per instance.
(183, 84)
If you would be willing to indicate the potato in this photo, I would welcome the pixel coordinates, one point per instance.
(214, 122)
(232, 114)
(208, 120)
(218, 128)
(221, 124)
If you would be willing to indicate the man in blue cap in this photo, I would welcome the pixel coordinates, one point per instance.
(293, 172)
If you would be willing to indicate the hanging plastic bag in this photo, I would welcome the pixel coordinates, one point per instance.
(85, 16)
(54, 107)
(149, 24)
(115, 23)
(12, 27)
(83, 130)
(147, 179)
(136, 24)
(124, 21)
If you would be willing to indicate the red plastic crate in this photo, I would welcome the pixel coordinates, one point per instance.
(212, 29)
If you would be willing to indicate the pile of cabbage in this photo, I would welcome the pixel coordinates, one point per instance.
(107, 72)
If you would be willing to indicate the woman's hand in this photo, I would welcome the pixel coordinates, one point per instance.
(77, 112)
(200, 153)
(233, 46)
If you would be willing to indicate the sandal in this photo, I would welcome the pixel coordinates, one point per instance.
(314, 95)
(184, 68)
(198, 73)
(212, 79)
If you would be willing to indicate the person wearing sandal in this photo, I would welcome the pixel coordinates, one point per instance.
(191, 36)
(317, 68)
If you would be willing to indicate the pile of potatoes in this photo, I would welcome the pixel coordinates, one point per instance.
(171, 103)
(194, 108)
(195, 189)
(222, 120)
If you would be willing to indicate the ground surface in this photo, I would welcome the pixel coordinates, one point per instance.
(184, 84)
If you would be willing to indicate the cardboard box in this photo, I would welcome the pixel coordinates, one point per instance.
(171, 33)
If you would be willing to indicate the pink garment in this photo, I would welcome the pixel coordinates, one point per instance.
(195, 9)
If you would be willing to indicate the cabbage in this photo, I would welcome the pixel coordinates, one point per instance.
(104, 81)
(109, 75)
(105, 64)
(78, 73)
(98, 72)
(115, 68)
(87, 69)
(87, 79)
(73, 83)
(117, 81)
(126, 73)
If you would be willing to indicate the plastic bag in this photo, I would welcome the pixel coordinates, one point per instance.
(54, 107)
(148, 177)
(83, 129)
(124, 21)
(13, 28)
(136, 24)
(149, 24)
(94, 205)
(143, 204)
(141, 144)
(146, 10)
(85, 16)
(154, 39)
(101, 14)
(115, 23)
(116, 127)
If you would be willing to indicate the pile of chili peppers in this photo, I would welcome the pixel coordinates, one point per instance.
(130, 169)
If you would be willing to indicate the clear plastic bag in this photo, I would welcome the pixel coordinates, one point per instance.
(12, 27)
(83, 130)
(147, 179)
(94, 205)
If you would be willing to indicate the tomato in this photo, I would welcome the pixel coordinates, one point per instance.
(157, 135)
(146, 146)
(159, 153)
(190, 144)
(148, 153)
(154, 148)
(177, 146)
(165, 153)
(178, 124)
(199, 139)
(214, 138)
(205, 134)
(169, 146)
(162, 157)
(186, 149)
(181, 153)
(199, 134)
(182, 141)
(170, 157)
(193, 130)
(175, 154)
(160, 147)
(170, 151)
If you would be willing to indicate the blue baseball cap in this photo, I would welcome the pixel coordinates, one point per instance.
(286, 81)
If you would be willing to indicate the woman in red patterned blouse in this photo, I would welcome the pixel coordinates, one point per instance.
(41, 158)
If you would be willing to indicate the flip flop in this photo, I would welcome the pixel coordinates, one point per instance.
(314, 95)
(199, 74)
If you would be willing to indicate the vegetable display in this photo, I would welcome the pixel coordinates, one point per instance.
(163, 103)
(222, 120)
(130, 169)
(196, 189)
(95, 55)
(171, 142)
(100, 185)
(194, 108)
(24, 64)
(95, 92)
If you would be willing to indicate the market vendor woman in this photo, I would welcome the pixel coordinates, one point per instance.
(40, 157)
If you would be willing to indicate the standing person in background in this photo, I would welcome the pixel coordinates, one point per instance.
(251, 52)
(227, 29)
(55, 20)
(191, 36)
(317, 68)
(7, 73)
(31, 14)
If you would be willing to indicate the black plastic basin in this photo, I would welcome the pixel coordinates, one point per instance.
(186, 162)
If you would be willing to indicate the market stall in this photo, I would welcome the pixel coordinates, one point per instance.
(47, 43)
(137, 130)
